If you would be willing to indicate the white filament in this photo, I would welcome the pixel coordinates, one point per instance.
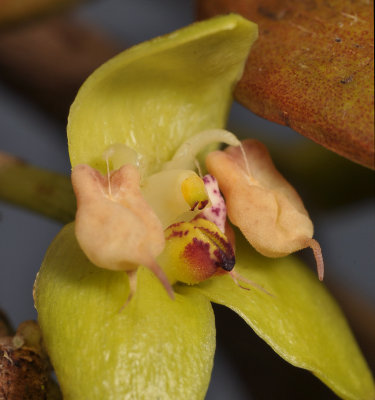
(187, 152)
(247, 165)
(108, 175)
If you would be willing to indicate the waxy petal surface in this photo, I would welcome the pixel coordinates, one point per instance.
(152, 348)
(300, 320)
(154, 96)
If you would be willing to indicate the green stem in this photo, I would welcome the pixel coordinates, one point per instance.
(36, 189)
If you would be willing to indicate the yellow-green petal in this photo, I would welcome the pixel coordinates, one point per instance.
(152, 348)
(300, 321)
(154, 96)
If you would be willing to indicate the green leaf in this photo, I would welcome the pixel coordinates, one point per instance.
(152, 348)
(300, 321)
(154, 96)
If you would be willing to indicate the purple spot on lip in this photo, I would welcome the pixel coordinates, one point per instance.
(216, 210)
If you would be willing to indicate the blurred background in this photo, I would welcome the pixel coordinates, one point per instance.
(43, 63)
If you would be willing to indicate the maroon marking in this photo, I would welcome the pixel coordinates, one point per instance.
(207, 178)
(175, 234)
(194, 205)
(174, 225)
(216, 210)
(197, 254)
(202, 204)
(224, 252)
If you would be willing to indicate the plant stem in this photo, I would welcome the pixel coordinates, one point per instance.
(36, 189)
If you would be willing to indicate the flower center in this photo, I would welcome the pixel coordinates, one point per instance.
(190, 208)
(177, 193)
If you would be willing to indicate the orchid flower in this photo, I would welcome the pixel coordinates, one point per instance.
(123, 295)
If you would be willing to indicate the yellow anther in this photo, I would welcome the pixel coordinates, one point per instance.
(194, 192)
(163, 192)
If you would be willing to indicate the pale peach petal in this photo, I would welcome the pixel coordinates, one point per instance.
(115, 226)
(259, 200)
